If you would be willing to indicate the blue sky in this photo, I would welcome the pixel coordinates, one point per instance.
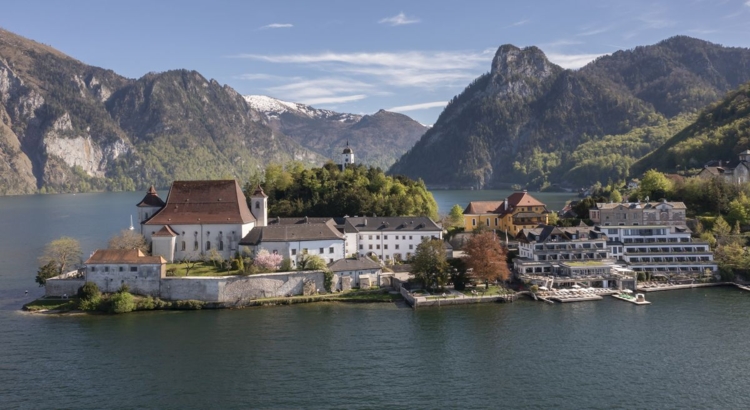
(356, 56)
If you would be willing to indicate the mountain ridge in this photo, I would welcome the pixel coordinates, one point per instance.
(521, 122)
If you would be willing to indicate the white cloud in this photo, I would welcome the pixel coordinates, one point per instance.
(276, 25)
(399, 19)
(422, 106)
(333, 100)
(747, 3)
(594, 31)
(411, 68)
(517, 23)
(572, 60)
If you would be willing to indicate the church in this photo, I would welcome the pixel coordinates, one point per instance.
(198, 217)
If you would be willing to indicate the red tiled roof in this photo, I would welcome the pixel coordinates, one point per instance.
(165, 231)
(151, 199)
(497, 207)
(117, 256)
(204, 202)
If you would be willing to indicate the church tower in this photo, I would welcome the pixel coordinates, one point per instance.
(259, 206)
(347, 157)
(149, 205)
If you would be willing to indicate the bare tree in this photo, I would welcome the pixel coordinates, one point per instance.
(62, 253)
(128, 239)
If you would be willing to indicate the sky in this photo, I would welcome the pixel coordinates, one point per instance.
(355, 56)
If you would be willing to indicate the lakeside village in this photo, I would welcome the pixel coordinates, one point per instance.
(210, 246)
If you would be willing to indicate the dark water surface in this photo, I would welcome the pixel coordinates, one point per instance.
(686, 350)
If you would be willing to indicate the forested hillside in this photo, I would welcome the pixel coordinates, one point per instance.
(720, 132)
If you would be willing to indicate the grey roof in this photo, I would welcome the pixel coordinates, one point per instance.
(342, 265)
(292, 232)
(390, 224)
(545, 232)
(638, 205)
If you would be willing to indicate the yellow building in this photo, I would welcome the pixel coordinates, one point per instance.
(518, 211)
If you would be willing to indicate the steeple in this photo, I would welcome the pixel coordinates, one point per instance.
(347, 157)
(259, 206)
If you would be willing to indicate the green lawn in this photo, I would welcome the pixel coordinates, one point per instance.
(200, 269)
(52, 304)
(491, 291)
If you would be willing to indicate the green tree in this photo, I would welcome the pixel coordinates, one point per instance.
(121, 302)
(45, 272)
(63, 253)
(312, 262)
(487, 258)
(455, 217)
(430, 264)
(552, 218)
(615, 196)
(128, 239)
(655, 185)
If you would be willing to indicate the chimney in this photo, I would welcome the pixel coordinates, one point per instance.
(505, 204)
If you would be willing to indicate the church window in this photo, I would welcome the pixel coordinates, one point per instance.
(257, 204)
(183, 245)
(208, 245)
(221, 245)
(195, 245)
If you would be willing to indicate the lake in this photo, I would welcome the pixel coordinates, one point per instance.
(686, 350)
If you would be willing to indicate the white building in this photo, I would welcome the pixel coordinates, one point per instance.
(660, 249)
(198, 217)
(550, 249)
(389, 238)
(347, 157)
(356, 271)
(295, 237)
(110, 269)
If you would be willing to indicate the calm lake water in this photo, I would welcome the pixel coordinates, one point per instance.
(686, 350)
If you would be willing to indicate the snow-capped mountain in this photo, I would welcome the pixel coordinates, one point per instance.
(378, 139)
(272, 108)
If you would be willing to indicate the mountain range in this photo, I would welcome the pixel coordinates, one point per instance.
(530, 122)
(378, 139)
(66, 126)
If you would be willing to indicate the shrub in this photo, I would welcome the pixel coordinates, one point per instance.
(146, 304)
(124, 288)
(641, 276)
(534, 288)
(122, 302)
(328, 280)
(188, 305)
(171, 271)
(89, 291)
(90, 304)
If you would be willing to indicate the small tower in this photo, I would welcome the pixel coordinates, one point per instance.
(149, 205)
(259, 206)
(745, 156)
(347, 157)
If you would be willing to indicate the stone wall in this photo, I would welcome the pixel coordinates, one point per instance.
(239, 289)
(59, 287)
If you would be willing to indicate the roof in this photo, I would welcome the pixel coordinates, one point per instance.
(292, 233)
(515, 200)
(638, 205)
(204, 202)
(259, 192)
(391, 224)
(151, 199)
(120, 256)
(543, 233)
(342, 265)
(165, 231)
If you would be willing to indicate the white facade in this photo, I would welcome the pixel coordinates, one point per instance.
(329, 250)
(390, 245)
(192, 241)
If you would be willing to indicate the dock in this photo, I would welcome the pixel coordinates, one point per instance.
(631, 300)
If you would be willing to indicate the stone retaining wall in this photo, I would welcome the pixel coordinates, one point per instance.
(60, 287)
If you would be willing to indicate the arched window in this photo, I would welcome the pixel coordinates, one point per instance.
(221, 245)
(208, 245)
(257, 204)
(183, 245)
(195, 246)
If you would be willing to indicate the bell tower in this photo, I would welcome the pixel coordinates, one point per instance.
(347, 157)
(259, 206)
